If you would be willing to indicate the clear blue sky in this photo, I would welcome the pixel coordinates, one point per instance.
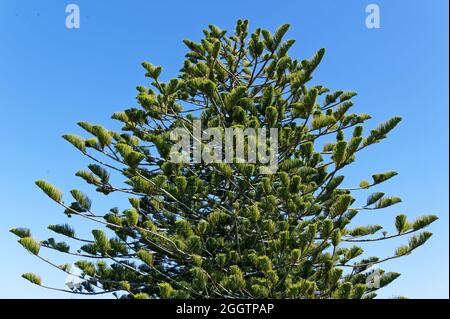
(52, 77)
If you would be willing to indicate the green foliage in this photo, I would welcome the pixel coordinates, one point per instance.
(81, 198)
(166, 290)
(414, 242)
(33, 278)
(130, 157)
(419, 240)
(340, 205)
(141, 295)
(145, 256)
(382, 130)
(379, 178)
(401, 223)
(423, 221)
(387, 201)
(100, 172)
(373, 198)
(64, 229)
(21, 232)
(364, 230)
(215, 230)
(76, 141)
(30, 244)
(50, 190)
(387, 278)
(132, 217)
(101, 240)
(59, 246)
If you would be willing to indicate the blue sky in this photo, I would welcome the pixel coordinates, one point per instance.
(52, 77)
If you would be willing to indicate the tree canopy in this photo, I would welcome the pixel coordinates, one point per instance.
(228, 229)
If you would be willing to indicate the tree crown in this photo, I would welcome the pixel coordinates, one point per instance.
(227, 228)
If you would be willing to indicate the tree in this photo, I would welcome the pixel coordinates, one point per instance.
(230, 229)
